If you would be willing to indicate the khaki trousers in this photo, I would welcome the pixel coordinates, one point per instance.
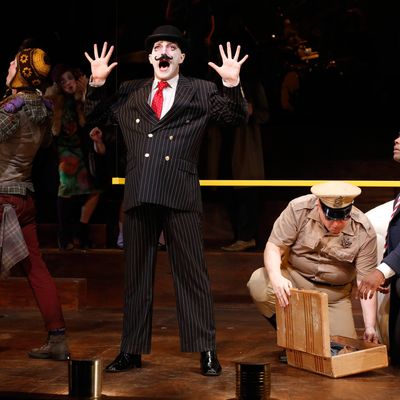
(341, 319)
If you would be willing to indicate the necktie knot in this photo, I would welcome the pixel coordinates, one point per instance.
(162, 85)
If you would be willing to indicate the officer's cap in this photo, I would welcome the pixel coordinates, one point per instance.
(336, 198)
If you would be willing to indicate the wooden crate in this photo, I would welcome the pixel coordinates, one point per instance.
(303, 329)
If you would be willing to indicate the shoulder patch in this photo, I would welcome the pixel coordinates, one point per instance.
(358, 216)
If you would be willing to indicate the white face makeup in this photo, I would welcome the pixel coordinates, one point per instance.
(166, 57)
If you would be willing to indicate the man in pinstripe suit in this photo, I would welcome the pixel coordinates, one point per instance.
(162, 191)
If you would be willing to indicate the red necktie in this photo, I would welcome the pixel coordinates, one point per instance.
(158, 99)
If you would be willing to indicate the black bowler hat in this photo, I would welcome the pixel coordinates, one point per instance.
(166, 32)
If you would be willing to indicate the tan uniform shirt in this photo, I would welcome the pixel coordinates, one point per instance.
(322, 256)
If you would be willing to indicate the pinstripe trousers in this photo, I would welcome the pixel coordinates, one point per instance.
(183, 234)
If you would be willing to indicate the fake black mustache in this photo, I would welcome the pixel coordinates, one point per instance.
(163, 57)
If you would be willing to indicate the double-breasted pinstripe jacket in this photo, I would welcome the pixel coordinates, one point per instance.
(162, 155)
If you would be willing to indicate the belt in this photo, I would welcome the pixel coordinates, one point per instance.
(325, 283)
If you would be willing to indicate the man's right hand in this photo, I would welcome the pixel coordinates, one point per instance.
(281, 287)
(99, 64)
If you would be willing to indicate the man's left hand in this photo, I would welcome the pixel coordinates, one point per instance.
(370, 335)
(230, 68)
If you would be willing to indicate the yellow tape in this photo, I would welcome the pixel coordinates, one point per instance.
(232, 182)
(118, 181)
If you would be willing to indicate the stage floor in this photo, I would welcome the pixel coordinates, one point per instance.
(242, 335)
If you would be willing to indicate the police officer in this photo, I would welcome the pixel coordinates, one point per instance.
(328, 244)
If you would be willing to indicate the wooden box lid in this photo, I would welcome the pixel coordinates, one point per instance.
(304, 324)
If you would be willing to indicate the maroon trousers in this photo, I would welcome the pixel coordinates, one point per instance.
(39, 278)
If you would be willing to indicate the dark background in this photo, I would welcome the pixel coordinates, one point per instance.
(347, 116)
(347, 112)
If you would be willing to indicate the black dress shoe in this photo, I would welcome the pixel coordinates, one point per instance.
(283, 357)
(125, 361)
(209, 364)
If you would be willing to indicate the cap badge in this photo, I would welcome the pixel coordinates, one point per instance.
(338, 202)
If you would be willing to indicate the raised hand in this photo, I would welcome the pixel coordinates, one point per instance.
(96, 134)
(99, 64)
(230, 68)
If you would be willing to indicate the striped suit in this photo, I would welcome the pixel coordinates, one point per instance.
(162, 193)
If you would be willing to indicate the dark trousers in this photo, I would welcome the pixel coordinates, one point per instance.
(244, 211)
(69, 213)
(182, 230)
(394, 321)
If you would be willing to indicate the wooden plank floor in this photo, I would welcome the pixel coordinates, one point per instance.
(242, 335)
(167, 374)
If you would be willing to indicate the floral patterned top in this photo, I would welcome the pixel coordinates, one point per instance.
(74, 175)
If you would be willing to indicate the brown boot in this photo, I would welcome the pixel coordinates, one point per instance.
(55, 348)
